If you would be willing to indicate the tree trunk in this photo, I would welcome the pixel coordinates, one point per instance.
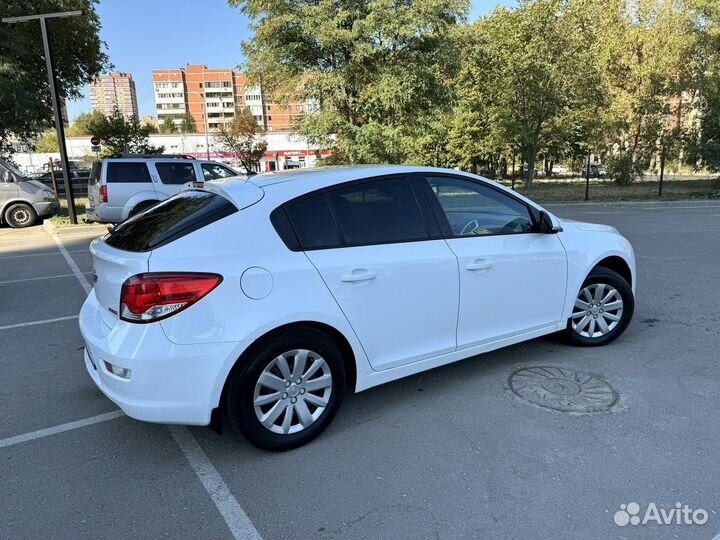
(531, 157)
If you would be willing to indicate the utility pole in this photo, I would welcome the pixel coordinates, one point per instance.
(587, 177)
(54, 95)
(662, 164)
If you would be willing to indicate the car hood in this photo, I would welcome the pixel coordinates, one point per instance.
(31, 186)
(572, 225)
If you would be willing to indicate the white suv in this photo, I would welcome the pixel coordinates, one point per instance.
(264, 297)
(121, 187)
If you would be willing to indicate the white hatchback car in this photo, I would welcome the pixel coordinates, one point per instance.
(264, 298)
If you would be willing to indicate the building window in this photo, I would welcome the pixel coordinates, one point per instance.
(269, 118)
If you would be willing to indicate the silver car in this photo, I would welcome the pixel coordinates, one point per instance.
(23, 201)
(121, 187)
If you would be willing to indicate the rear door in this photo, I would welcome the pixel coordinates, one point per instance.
(384, 263)
(171, 175)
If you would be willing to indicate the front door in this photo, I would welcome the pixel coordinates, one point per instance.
(395, 283)
(512, 278)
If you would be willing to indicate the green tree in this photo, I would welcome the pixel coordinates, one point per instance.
(81, 125)
(48, 143)
(167, 126)
(188, 124)
(25, 106)
(243, 137)
(651, 64)
(703, 135)
(378, 68)
(116, 132)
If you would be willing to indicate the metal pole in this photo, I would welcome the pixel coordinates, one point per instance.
(59, 124)
(662, 165)
(205, 113)
(587, 177)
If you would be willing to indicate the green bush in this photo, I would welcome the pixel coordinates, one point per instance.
(622, 169)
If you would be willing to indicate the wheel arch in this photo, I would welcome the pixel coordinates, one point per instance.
(616, 264)
(9, 203)
(340, 340)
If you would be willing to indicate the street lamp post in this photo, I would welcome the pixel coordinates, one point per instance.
(54, 95)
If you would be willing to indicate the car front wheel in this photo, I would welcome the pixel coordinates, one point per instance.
(602, 310)
(288, 392)
(20, 215)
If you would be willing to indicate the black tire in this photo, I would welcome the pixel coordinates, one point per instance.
(141, 207)
(20, 215)
(239, 403)
(608, 277)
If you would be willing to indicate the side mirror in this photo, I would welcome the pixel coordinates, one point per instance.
(546, 224)
(8, 177)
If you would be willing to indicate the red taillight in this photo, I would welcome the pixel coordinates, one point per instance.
(158, 295)
(103, 193)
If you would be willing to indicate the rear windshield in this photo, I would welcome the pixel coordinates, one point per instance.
(171, 219)
(95, 173)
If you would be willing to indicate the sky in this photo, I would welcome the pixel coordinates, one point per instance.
(167, 34)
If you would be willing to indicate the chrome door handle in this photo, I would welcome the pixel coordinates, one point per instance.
(478, 264)
(358, 275)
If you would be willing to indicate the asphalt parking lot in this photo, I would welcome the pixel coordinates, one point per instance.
(450, 453)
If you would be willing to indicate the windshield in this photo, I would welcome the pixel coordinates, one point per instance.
(13, 169)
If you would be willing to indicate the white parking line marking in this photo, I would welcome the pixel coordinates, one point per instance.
(240, 525)
(33, 323)
(3, 257)
(40, 433)
(235, 517)
(74, 267)
(38, 278)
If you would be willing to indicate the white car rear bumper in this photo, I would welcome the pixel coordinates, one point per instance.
(168, 383)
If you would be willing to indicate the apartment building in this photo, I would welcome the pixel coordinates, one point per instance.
(114, 90)
(212, 96)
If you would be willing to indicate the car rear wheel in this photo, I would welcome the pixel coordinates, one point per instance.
(288, 392)
(602, 310)
(20, 215)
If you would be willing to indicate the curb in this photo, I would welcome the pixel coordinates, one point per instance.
(74, 229)
(669, 204)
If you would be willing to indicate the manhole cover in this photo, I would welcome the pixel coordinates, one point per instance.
(562, 389)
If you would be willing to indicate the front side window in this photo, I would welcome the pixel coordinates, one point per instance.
(127, 172)
(473, 209)
(213, 171)
(176, 172)
(378, 212)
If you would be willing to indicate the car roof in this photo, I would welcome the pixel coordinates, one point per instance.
(284, 185)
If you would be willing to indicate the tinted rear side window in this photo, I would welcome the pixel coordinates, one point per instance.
(176, 173)
(378, 212)
(313, 223)
(171, 219)
(127, 172)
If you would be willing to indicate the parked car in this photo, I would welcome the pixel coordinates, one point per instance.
(263, 298)
(121, 187)
(79, 178)
(23, 201)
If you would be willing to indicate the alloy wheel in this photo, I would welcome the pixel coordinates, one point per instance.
(597, 311)
(292, 391)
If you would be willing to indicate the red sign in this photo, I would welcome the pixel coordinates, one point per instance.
(95, 140)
